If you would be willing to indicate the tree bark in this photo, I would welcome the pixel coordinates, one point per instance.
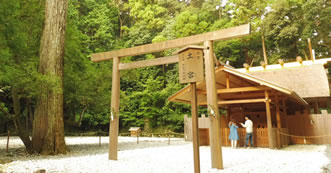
(81, 116)
(247, 58)
(48, 128)
(19, 125)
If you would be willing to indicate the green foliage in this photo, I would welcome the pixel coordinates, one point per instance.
(290, 23)
(99, 23)
(191, 22)
(317, 26)
(94, 120)
(147, 99)
(20, 32)
(104, 25)
(86, 84)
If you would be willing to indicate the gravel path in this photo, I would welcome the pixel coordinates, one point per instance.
(327, 168)
(154, 155)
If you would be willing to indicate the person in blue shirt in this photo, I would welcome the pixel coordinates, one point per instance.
(233, 134)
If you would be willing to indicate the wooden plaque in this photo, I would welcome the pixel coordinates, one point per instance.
(191, 66)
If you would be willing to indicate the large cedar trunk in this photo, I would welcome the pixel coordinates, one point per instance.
(48, 128)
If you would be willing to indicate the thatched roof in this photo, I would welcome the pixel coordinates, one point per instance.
(243, 87)
(307, 81)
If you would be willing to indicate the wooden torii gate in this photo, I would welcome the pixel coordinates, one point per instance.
(207, 40)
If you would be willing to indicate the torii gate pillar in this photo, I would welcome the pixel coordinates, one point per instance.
(213, 112)
(114, 110)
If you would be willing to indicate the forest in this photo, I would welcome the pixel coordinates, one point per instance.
(94, 26)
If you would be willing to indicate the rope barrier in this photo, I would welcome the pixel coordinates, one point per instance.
(180, 134)
(319, 136)
(102, 133)
(98, 133)
(164, 134)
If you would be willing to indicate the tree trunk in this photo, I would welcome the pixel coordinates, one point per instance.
(81, 116)
(247, 58)
(19, 125)
(30, 114)
(48, 130)
(146, 124)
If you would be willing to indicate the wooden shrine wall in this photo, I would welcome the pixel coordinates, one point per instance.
(314, 126)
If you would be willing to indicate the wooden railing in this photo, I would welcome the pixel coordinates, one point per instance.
(281, 139)
(260, 137)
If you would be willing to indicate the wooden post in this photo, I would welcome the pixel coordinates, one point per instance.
(310, 50)
(195, 128)
(269, 123)
(279, 122)
(215, 135)
(285, 112)
(228, 114)
(114, 109)
(227, 81)
(99, 140)
(264, 51)
(7, 141)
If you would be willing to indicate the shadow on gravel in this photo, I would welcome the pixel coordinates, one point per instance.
(327, 168)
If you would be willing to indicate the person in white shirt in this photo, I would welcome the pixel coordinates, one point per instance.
(249, 131)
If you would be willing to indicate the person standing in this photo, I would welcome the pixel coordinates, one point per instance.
(249, 131)
(233, 134)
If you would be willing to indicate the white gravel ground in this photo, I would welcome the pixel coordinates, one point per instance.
(154, 155)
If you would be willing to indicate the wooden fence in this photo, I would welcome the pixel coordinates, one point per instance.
(260, 137)
(310, 129)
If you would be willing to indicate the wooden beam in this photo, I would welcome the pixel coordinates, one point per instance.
(182, 101)
(214, 117)
(264, 50)
(229, 102)
(220, 84)
(242, 82)
(223, 34)
(310, 50)
(241, 89)
(148, 63)
(279, 122)
(114, 120)
(227, 81)
(269, 122)
(201, 92)
(242, 96)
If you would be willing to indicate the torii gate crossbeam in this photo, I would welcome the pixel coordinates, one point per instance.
(223, 34)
